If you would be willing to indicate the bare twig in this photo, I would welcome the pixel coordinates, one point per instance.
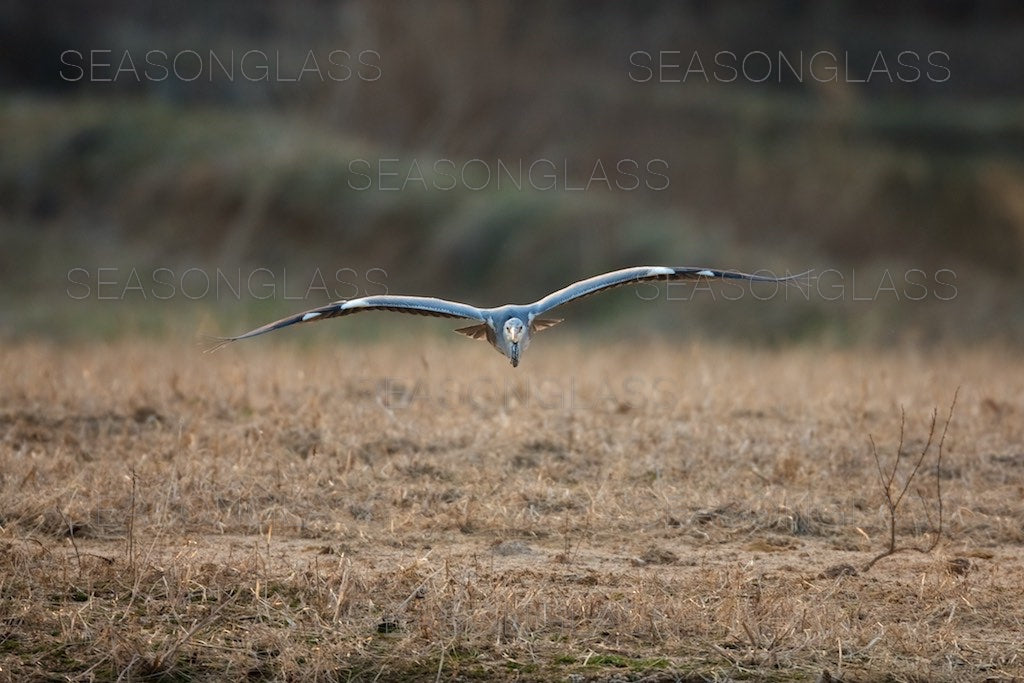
(71, 535)
(938, 469)
(130, 541)
(886, 481)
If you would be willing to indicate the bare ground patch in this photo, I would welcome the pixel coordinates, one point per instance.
(350, 512)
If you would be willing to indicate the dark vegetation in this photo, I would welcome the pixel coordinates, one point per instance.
(881, 181)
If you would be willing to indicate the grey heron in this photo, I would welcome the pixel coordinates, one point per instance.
(508, 328)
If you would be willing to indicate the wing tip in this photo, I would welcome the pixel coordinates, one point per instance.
(212, 344)
(755, 276)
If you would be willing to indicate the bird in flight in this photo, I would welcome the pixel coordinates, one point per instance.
(508, 328)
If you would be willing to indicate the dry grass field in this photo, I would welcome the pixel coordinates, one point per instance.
(352, 512)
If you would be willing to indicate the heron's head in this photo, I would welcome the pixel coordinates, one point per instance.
(514, 329)
(514, 332)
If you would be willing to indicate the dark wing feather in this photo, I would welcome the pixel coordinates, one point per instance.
(416, 305)
(481, 331)
(632, 276)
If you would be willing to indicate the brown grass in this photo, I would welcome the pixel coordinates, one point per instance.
(350, 512)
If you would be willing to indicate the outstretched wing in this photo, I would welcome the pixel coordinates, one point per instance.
(632, 276)
(416, 305)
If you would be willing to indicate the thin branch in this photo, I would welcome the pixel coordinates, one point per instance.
(885, 482)
(878, 463)
(130, 541)
(920, 458)
(938, 470)
(899, 453)
(71, 535)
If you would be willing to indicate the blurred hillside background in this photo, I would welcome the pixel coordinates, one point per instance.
(168, 165)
